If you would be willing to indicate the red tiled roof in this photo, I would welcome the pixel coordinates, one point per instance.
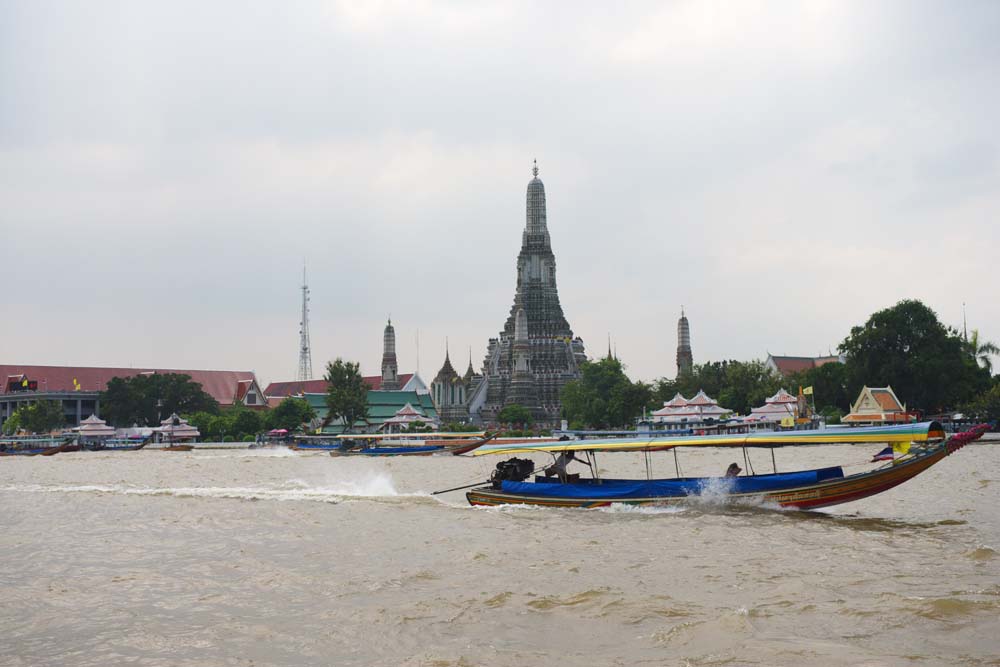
(886, 400)
(220, 385)
(294, 388)
(789, 365)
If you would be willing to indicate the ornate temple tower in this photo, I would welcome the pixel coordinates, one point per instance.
(390, 370)
(685, 361)
(448, 393)
(553, 354)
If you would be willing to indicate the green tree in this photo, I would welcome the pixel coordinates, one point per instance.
(515, 414)
(142, 399)
(203, 421)
(908, 348)
(985, 407)
(346, 393)
(831, 392)
(245, 422)
(40, 416)
(291, 414)
(13, 423)
(982, 350)
(747, 385)
(604, 396)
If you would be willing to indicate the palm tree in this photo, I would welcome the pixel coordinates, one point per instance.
(981, 351)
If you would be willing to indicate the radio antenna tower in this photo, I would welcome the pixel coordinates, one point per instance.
(305, 354)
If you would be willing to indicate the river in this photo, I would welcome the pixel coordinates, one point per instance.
(273, 557)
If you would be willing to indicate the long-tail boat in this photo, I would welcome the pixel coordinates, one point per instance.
(416, 444)
(921, 445)
(35, 446)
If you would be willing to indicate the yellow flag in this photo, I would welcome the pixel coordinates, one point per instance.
(24, 382)
(808, 391)
(788, 421)
(901, 447)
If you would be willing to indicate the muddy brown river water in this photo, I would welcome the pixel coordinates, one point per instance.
(272, 557)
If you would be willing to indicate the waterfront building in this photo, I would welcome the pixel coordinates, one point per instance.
(534, 366)
(699, 408)
(878, 405)
(406, 417)
(78, 388)
(685, 359)
(790, 365)
(175, 429)
(777, 408)
(382, 406)
(276, 392)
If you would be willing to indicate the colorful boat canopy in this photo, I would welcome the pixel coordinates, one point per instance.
(916, 432)
(404, 436)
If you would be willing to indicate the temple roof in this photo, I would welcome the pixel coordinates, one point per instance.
(447, 372)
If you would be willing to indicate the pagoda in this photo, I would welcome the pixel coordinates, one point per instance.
(536, 354)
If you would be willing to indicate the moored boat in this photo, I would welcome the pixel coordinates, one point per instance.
(924, 445)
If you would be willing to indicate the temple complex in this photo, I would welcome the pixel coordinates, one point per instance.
(536, 354)
(685, 360)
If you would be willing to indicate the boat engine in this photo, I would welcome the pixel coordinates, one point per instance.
(514, 470)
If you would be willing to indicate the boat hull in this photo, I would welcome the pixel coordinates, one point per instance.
(811, 496)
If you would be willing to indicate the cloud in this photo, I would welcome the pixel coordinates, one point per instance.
(781, 170)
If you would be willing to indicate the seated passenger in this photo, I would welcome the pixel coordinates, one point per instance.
(733, 470)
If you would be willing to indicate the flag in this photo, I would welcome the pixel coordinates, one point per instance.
(808, 391)
(24, 382)
(884, 455)
(901, 448)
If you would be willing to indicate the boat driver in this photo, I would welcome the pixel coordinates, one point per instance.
(558, 469)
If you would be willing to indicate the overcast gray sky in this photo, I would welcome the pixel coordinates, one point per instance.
(782, 169)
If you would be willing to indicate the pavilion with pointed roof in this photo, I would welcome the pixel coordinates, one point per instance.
(776, 408)
(699, 408)
(94, 428)
(406, 417)
(878, 405)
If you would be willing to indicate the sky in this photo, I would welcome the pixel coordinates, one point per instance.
(780, 169)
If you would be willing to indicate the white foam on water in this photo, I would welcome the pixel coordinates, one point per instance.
(275, 453)
(371, 485)
(619, 508)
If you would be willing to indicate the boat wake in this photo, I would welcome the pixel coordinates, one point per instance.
(375, 487)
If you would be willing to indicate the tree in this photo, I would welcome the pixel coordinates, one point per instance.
(134, 400)
(346, 393)
(603, 396)
(981, 351)
(39, 416)
(830, 387)
(245, 422)
(747, 385)
(13, 423)
(515, 414)
(291, 414)
(986, 406)
(907, 348)
(737, 385)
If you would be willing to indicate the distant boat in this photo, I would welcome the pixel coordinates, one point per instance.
(35, 446)
(805, 489)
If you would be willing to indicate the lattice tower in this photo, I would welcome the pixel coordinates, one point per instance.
(305, 352)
